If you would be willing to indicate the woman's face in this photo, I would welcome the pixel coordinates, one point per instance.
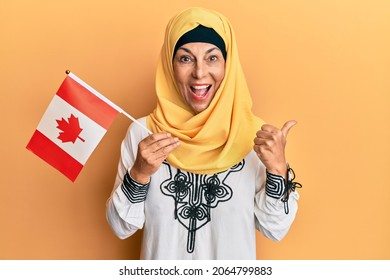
(199, 69)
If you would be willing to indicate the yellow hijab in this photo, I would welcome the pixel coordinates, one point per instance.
(220, 136)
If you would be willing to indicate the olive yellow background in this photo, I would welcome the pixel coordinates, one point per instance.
(325, 64)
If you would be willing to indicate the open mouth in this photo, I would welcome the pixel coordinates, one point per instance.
(200, 92)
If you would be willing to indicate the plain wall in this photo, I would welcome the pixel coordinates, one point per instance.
(325, 64)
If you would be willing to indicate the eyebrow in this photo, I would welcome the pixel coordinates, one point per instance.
(208, 51)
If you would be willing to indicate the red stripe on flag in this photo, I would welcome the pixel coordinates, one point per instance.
(87, 102)
(48, 151)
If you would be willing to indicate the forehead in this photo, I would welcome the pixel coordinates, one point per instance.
(198, 47)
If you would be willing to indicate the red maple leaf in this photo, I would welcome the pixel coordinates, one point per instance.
(70, 129)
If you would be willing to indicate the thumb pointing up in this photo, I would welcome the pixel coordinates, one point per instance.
(287, 126)
(269, 145)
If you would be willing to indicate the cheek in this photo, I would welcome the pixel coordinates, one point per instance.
(179, 80)
(219, 75)
(181, 84)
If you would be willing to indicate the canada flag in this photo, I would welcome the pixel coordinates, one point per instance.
(72, 126)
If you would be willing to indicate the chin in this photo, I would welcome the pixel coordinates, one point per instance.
(198, 110)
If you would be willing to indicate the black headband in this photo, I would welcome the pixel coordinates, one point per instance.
(204, 35)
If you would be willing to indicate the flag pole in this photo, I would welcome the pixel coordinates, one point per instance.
(137, 122)
(119, 109)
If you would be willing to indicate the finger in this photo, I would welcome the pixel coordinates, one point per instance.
(265, 134)
(268, 127)
(164, 151)
(163, 154)
(154, 154)
(156, 137)
(164, 143)
(262, 149)
(151, 144)
(261, 141)
(264, 144)
(287, 126)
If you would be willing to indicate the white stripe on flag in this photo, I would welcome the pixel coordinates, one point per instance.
(92, 133)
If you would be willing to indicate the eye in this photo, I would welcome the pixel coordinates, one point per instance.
(185, 59)
(213, 58)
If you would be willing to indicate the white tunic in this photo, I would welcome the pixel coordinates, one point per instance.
(190, 216)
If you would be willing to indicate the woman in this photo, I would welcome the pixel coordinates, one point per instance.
(199, 185)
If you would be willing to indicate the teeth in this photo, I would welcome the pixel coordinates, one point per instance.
(200, 87)
(200, 90)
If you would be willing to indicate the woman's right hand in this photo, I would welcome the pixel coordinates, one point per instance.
(152, 151)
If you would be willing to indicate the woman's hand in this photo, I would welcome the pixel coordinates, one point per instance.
(152, 151)
(270, 144)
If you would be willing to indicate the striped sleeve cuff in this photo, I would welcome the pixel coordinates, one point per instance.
(275, 185)
(134, 191)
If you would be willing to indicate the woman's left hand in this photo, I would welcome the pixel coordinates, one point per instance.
(270, 144)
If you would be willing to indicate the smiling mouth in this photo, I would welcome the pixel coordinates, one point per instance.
(200, 92)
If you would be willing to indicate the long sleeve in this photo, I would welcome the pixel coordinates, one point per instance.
(274, 213)
(125, 207)
(198, 216)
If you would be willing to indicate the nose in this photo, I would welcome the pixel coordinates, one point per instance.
(199, 70)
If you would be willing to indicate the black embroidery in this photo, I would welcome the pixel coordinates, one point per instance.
(195, 195)
(276, 187)
(134, 191)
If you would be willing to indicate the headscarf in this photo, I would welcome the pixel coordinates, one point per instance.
(220, 136)
(202, 34)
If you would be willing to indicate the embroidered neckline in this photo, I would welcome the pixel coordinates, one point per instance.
(195, 195)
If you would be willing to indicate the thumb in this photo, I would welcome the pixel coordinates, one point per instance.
(287, 126)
